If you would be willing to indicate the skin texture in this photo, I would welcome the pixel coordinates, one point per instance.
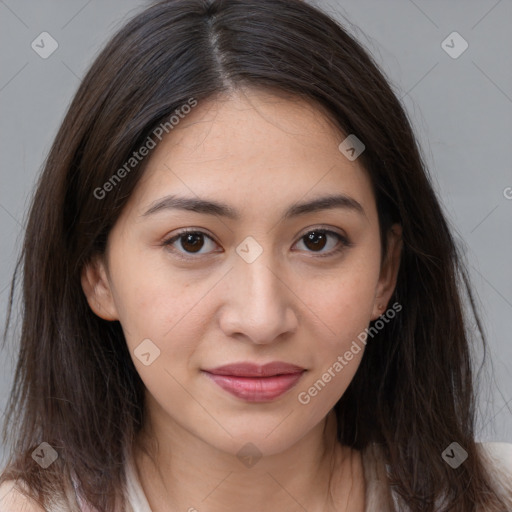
(260, 154)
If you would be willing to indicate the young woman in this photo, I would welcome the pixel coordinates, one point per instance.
(239, 289)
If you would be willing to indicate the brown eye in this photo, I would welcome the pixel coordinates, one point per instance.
(190, 242)
(317, 240)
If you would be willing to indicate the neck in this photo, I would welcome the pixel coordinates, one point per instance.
(181, 472)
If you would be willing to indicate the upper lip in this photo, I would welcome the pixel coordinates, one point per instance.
(245, 369)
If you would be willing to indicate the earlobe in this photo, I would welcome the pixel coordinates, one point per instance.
(96, 287)
(389, 271)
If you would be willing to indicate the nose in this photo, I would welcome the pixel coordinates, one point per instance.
(258, 303)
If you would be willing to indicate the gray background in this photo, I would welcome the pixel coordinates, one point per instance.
(461, 109)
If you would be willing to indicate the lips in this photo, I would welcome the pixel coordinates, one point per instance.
(255, 383)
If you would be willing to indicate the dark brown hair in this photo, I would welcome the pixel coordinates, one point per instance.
(75, 384)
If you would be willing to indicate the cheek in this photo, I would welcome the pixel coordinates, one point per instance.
(153, 306)
(160, 319)
(345, 308)
(344, 301)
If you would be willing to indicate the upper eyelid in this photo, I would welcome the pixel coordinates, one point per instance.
(186, 231)
(343, 238)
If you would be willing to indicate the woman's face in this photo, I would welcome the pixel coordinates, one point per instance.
(268, 279)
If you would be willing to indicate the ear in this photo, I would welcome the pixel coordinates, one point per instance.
(388, 272)
(96, 287)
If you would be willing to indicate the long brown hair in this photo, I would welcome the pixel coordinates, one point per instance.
(75, 385)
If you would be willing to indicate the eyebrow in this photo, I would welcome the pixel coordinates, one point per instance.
(173, 202)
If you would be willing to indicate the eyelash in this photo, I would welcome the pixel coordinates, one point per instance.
(344, 242)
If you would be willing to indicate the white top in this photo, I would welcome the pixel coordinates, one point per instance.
(499, 453)
(135, 494)
(497, 459)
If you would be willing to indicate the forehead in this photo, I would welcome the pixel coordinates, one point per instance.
(253, 148)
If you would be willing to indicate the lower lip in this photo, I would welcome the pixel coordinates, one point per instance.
(256, 389)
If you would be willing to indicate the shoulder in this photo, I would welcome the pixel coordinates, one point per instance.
(497, 459)
(12, 499)
(499, 455)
